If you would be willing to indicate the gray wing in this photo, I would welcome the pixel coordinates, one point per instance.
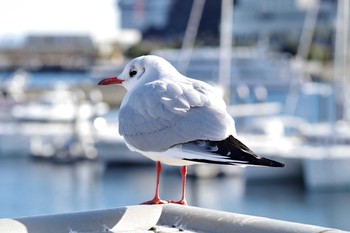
(164, 113)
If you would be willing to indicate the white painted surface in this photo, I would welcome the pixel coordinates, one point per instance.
(165, 218)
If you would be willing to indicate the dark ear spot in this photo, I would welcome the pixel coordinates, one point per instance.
(132, 73)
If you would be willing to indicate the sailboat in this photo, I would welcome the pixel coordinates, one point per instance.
(312, 150)
(242, 74)
(327, 152)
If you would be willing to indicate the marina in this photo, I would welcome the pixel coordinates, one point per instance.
(282, 70)
(103, 179)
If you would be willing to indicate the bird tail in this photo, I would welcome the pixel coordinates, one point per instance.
(242, 152)
(230, 151)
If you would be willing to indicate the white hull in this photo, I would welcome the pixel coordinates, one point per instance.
(327, 173)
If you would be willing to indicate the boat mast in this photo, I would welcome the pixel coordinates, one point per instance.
(308, 31)
(226, 37)
(190, 35)
(341, 57)
(305, 41)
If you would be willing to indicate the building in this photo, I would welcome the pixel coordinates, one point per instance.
(144, 14)
(252, 20)
(51, 52)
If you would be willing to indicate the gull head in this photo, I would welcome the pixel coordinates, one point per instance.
(142, 70)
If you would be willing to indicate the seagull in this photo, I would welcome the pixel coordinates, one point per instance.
(176, 120)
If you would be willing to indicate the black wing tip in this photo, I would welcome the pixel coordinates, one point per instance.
(252, 158)
(269, 163)
(233, 152)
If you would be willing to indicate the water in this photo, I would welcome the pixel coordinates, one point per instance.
(33, 188)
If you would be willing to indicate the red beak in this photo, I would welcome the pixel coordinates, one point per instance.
(111, 80)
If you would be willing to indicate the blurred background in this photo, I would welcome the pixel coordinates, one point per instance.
(282, 67)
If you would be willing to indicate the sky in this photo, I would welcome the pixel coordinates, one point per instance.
(95, 17)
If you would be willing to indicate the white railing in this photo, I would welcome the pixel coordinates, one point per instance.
(158, 218)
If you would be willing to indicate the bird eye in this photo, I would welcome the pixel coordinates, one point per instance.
(132, 73)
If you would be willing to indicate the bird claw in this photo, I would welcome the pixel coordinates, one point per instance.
(181, 202)
(155, 201)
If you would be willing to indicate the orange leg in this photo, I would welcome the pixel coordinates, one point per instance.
(183, 197)
(156, 199)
